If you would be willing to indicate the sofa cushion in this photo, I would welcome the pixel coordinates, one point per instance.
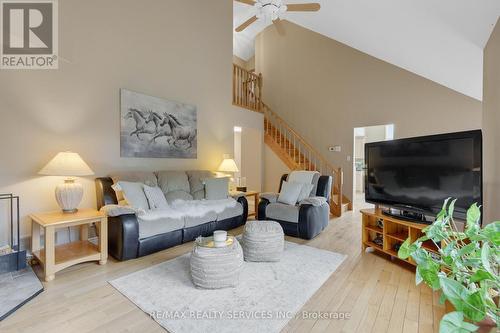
(306, 177)
(216, 188)
(178, 195)
(133, 193)
(144, 177)
(282, 212)
(290, 192)
(151, 225)
(155, 196)
(193, 221)
(195, 182)
(174, 184)
(230, 212)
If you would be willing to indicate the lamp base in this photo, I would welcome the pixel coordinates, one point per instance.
(69, 195)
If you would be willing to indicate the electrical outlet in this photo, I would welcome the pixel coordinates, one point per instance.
(336, 149)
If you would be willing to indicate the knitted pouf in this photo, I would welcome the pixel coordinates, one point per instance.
(263, 241)
(215, 268)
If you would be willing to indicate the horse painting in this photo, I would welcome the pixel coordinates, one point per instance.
(155, 127)
(161, 128)
(140, 122)
(179, 131)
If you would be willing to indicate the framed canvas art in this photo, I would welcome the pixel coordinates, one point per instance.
(156, 127)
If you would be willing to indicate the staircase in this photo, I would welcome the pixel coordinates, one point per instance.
(285, 142)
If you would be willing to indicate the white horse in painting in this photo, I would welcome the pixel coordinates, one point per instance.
(179, 131)
(161, 127)
(141, 125)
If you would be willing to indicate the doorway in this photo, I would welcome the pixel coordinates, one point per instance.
(362, 136)
(248, 145)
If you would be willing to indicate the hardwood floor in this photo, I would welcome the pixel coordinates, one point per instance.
(379, 295)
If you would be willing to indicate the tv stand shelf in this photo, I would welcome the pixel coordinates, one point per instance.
(391, 230)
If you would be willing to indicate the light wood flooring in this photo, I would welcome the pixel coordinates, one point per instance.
(379, 294)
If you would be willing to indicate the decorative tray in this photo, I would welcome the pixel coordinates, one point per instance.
(209, 242)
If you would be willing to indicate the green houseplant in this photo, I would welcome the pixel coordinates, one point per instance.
(466, 271)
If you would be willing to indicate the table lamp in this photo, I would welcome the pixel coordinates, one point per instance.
(228, 165)
(70, 193)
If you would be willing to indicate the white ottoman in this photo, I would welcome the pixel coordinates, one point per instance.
(216, 267)
(263, 241)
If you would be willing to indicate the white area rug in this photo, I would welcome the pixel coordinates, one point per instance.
(267, 297)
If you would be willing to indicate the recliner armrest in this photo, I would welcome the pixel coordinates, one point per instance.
(123, 236)
(270, 196)
(244, 203)
(312, 220)
(117, 210)
(314, 201)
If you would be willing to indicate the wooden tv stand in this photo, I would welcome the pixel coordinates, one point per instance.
(394, 231)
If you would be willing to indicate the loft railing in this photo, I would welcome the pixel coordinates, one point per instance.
(247, 89)
(303, 155)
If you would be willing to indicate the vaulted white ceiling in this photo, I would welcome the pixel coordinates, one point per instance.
(440, 40)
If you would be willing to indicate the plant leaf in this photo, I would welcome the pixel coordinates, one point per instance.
(451, 207)
(481, 275)
(474, 308)
(473, 216)
(485, 254)
(471, 304)
(492, 233)
(404, 251)
(429, 273)
(418, 277)
(467, 249)
(455, 292)
(420, 256)
(453, 322)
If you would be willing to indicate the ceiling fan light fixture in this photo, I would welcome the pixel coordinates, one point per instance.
(270, 10)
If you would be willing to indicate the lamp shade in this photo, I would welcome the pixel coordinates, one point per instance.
(228, 165)
(66, 164)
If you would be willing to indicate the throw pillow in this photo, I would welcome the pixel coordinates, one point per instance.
(133, 193)
(305, 192)
(216, 188)
(289, 193)
(155, 197)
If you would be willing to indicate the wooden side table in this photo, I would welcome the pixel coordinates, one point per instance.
(255, 196)
(55, 258)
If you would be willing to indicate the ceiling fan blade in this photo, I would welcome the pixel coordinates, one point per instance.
(279, 27)
(246, 24)
(247, 2)
(303, 7)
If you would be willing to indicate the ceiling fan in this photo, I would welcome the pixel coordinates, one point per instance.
(273, 10)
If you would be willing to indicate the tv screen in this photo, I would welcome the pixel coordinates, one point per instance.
(418, 174)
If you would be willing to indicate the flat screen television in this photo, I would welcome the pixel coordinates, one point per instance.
(418, 174)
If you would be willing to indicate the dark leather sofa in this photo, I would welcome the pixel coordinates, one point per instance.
(123, 230)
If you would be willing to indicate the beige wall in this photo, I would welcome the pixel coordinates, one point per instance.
(491, 127)
(274, 168)
(324, 89)
(177, 49)
(251, 158)
(249, 64)
(240, 62)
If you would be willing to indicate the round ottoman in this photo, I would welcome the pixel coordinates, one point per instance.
(216, 267)
(263, 241)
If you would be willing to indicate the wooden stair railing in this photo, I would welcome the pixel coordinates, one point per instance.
(247, 89)
(297, 154)
(292, 149)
